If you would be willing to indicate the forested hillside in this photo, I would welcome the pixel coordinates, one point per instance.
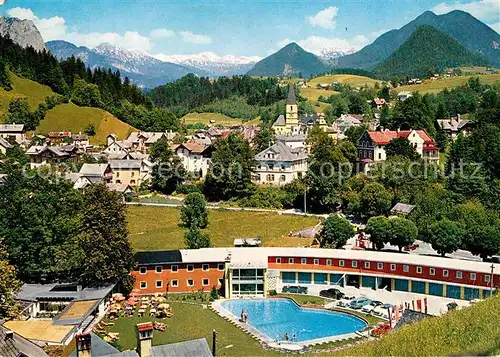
(74, 82)
(190, 92)
(427, 51)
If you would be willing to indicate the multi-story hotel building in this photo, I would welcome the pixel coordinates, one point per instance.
(255, 271)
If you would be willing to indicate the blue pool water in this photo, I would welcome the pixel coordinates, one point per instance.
(275, 317)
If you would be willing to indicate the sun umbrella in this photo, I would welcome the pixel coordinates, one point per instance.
(163, 306)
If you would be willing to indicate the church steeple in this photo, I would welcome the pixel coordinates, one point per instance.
(292, 111)
(291, 95)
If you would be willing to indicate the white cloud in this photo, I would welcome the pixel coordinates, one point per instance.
(200, 39)
(162, 33)
(316, 44)
(484, 10)
(55, 28)
(2, 2)
(496, 27)
(325, 18)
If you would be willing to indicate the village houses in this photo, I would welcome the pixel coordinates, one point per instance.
(455, 126)
(280, 164)
(195, 157)
(371, 145)
(13, 133)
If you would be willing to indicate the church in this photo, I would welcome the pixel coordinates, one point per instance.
(292, 123)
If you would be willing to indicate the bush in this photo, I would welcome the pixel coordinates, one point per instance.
(189, 188)
(214, 295)
(273, 292)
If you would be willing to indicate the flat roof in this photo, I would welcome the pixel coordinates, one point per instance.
(55, 291)
(40, 330)
(76, 312)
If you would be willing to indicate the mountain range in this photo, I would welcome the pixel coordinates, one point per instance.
(463, 27)
(22, 32)
(460, 26)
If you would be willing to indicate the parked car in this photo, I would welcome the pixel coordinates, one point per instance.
(382, 310)
(332, 293)
(359, 303)
(369, 308)
(344, 302)
(293, 289)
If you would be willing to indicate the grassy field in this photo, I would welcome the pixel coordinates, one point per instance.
(471, 331)
(204, 118)
(75, 119)
(350, 79)
(437, 85)
(157, 228)
(23, 88)
(312, 94)
(475, 70)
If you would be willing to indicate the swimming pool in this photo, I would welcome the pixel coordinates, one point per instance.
(277, 317)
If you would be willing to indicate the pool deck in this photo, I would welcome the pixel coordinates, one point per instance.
(273, 343)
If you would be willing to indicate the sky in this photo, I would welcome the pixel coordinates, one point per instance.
(230, 27)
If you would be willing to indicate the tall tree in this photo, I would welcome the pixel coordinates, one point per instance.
(104, 238)
(379, 229)
(194, 211)
(445, 236)
(9, 286)
(230, 174)
(401, 147)
(375, 200)
(168, 170)
(196, 239)
(403, 232)
(264, 139)
(335, 232)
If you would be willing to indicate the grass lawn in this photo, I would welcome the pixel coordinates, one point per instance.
(204, 118)
(312, 94)
(303, 300)
(191, 321)
(473, 331)
(23, 88)
(157, 228)
(75, 119)
(437, 85)
(350, 79)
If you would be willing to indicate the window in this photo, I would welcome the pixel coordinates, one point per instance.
(190, 267)
(367, 265)
(393, 267)
(406, 268)
(159, 268)
(328, 262)
(290, 260)
(132, 174)
(445, 273)
(472, 276)
(205, 267)
(220, 267)
(278, 260)
(205, 282)
(174, 268)
(190, 282)
(118, 181)
(486, 278)
(459, 275)
(341, 263)
(354, 263)
(282, 178)
(379, 156)
(142, 270)
(144, 285)
(419, 270)
(303, 261)
(432, 271)
(380, 265)
(159, 283)
(174, 283)
(316, 261)
(132, 182)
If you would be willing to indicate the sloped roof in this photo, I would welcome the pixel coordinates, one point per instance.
(125, 164)
(291, 99)
(11, 128)
(452, 124)
(5, 143)
(33, 292)
(192, 348)
(280, 121)
(281, 152)
(402, 208)
(18, 346)
(93, 169)
(99, 347)
(385, 137)
(158, 257)
(194, 147)
(379, 101)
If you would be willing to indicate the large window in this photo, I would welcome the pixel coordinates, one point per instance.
(248, 281)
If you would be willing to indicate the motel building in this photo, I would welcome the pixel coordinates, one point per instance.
(252, 272)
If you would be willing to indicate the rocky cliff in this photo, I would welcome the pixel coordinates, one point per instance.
(22, 32)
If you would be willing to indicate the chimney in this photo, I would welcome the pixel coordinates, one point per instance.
(83, 345)
(144, 338)
(458, 117)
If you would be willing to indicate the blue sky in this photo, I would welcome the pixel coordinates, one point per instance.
(234, 27)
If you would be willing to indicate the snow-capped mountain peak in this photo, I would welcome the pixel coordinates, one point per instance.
(330, 55)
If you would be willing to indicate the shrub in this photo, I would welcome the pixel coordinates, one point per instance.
(214, 295)
(273, 292)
